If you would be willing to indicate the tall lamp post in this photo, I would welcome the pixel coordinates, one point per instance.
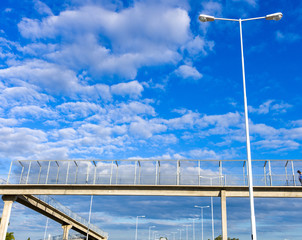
(201, 214)
(276, 17)
(137, 225)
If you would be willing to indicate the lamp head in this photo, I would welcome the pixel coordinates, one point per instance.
(206, 18)
(274, 16)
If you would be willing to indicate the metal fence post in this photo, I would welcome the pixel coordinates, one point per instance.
(270, 172)
(10, 169)
(293, 172)
(28, 173)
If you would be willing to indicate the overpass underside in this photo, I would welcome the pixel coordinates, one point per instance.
(151, 190)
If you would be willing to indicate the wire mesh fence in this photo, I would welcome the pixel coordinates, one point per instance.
(153, 172)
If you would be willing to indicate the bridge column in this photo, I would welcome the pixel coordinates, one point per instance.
(223, 215)
(66, 229)
(8, 202)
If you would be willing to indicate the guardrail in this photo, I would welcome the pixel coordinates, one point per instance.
(154, 172)
(52, 202)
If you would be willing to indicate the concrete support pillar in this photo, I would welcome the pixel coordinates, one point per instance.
(8, 202)
(66, 229)
(223, 215)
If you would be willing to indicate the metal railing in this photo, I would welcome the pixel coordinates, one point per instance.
(153, 172)
(71, 237)
(55, 204)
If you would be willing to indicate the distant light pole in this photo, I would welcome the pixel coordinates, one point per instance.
(154, 233)
(179, 233)
(276, 17)
(150, 231)
(137, 225)
(187, 234)
(201, 214)
(193, 219)
(173, 235)
(212, 213)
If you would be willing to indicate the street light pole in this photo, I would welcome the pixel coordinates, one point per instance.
(187, 234)
(201, 214)
(150, 231)
(276, 17)
(137, 225)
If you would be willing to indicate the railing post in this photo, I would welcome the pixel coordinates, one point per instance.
(293, 172)
(10, 169)
(87, 173)
(94, 174)
(39, 172)
(286, 173)
(76, 173)
(57, 178)
(47, 172)
(220, 172)
(264, 170)
(28, 173)
(270, 173)
(159, 172)
(135, 172)
(243, 172)
(198, 172)
(156, 172)
(139, 172)
(116, 175)
(178, 172)
(21, 175)
(111, 172)
(66, 181)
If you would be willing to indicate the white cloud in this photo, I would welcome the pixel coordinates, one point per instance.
(278, 145)
(198, 46)
(21, 141)
(134, 40)
(203, 154)
(48, 76)
(133, 89)
(270, 106)
(287, 37)
(188, 72)
(75, 110)
(145, 129)
(252, 3)
(34, 112)
(212, 8)
(23, 95)
(42, 8)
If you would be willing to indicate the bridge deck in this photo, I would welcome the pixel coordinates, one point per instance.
(150, 190)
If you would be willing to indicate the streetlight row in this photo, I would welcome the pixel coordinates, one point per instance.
(186, 225)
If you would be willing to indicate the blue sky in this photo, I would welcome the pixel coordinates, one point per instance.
(145, 79)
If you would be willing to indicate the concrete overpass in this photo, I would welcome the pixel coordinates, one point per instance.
(195, 178)
(53, 210)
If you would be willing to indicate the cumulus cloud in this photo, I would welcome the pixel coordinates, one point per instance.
(35, 112)
(287, 37)
(145, 129)
(270, 106)
(198, 46)
(80, 109)
(132, 89)
(113, 43)
(188, 72)
(20, 141)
